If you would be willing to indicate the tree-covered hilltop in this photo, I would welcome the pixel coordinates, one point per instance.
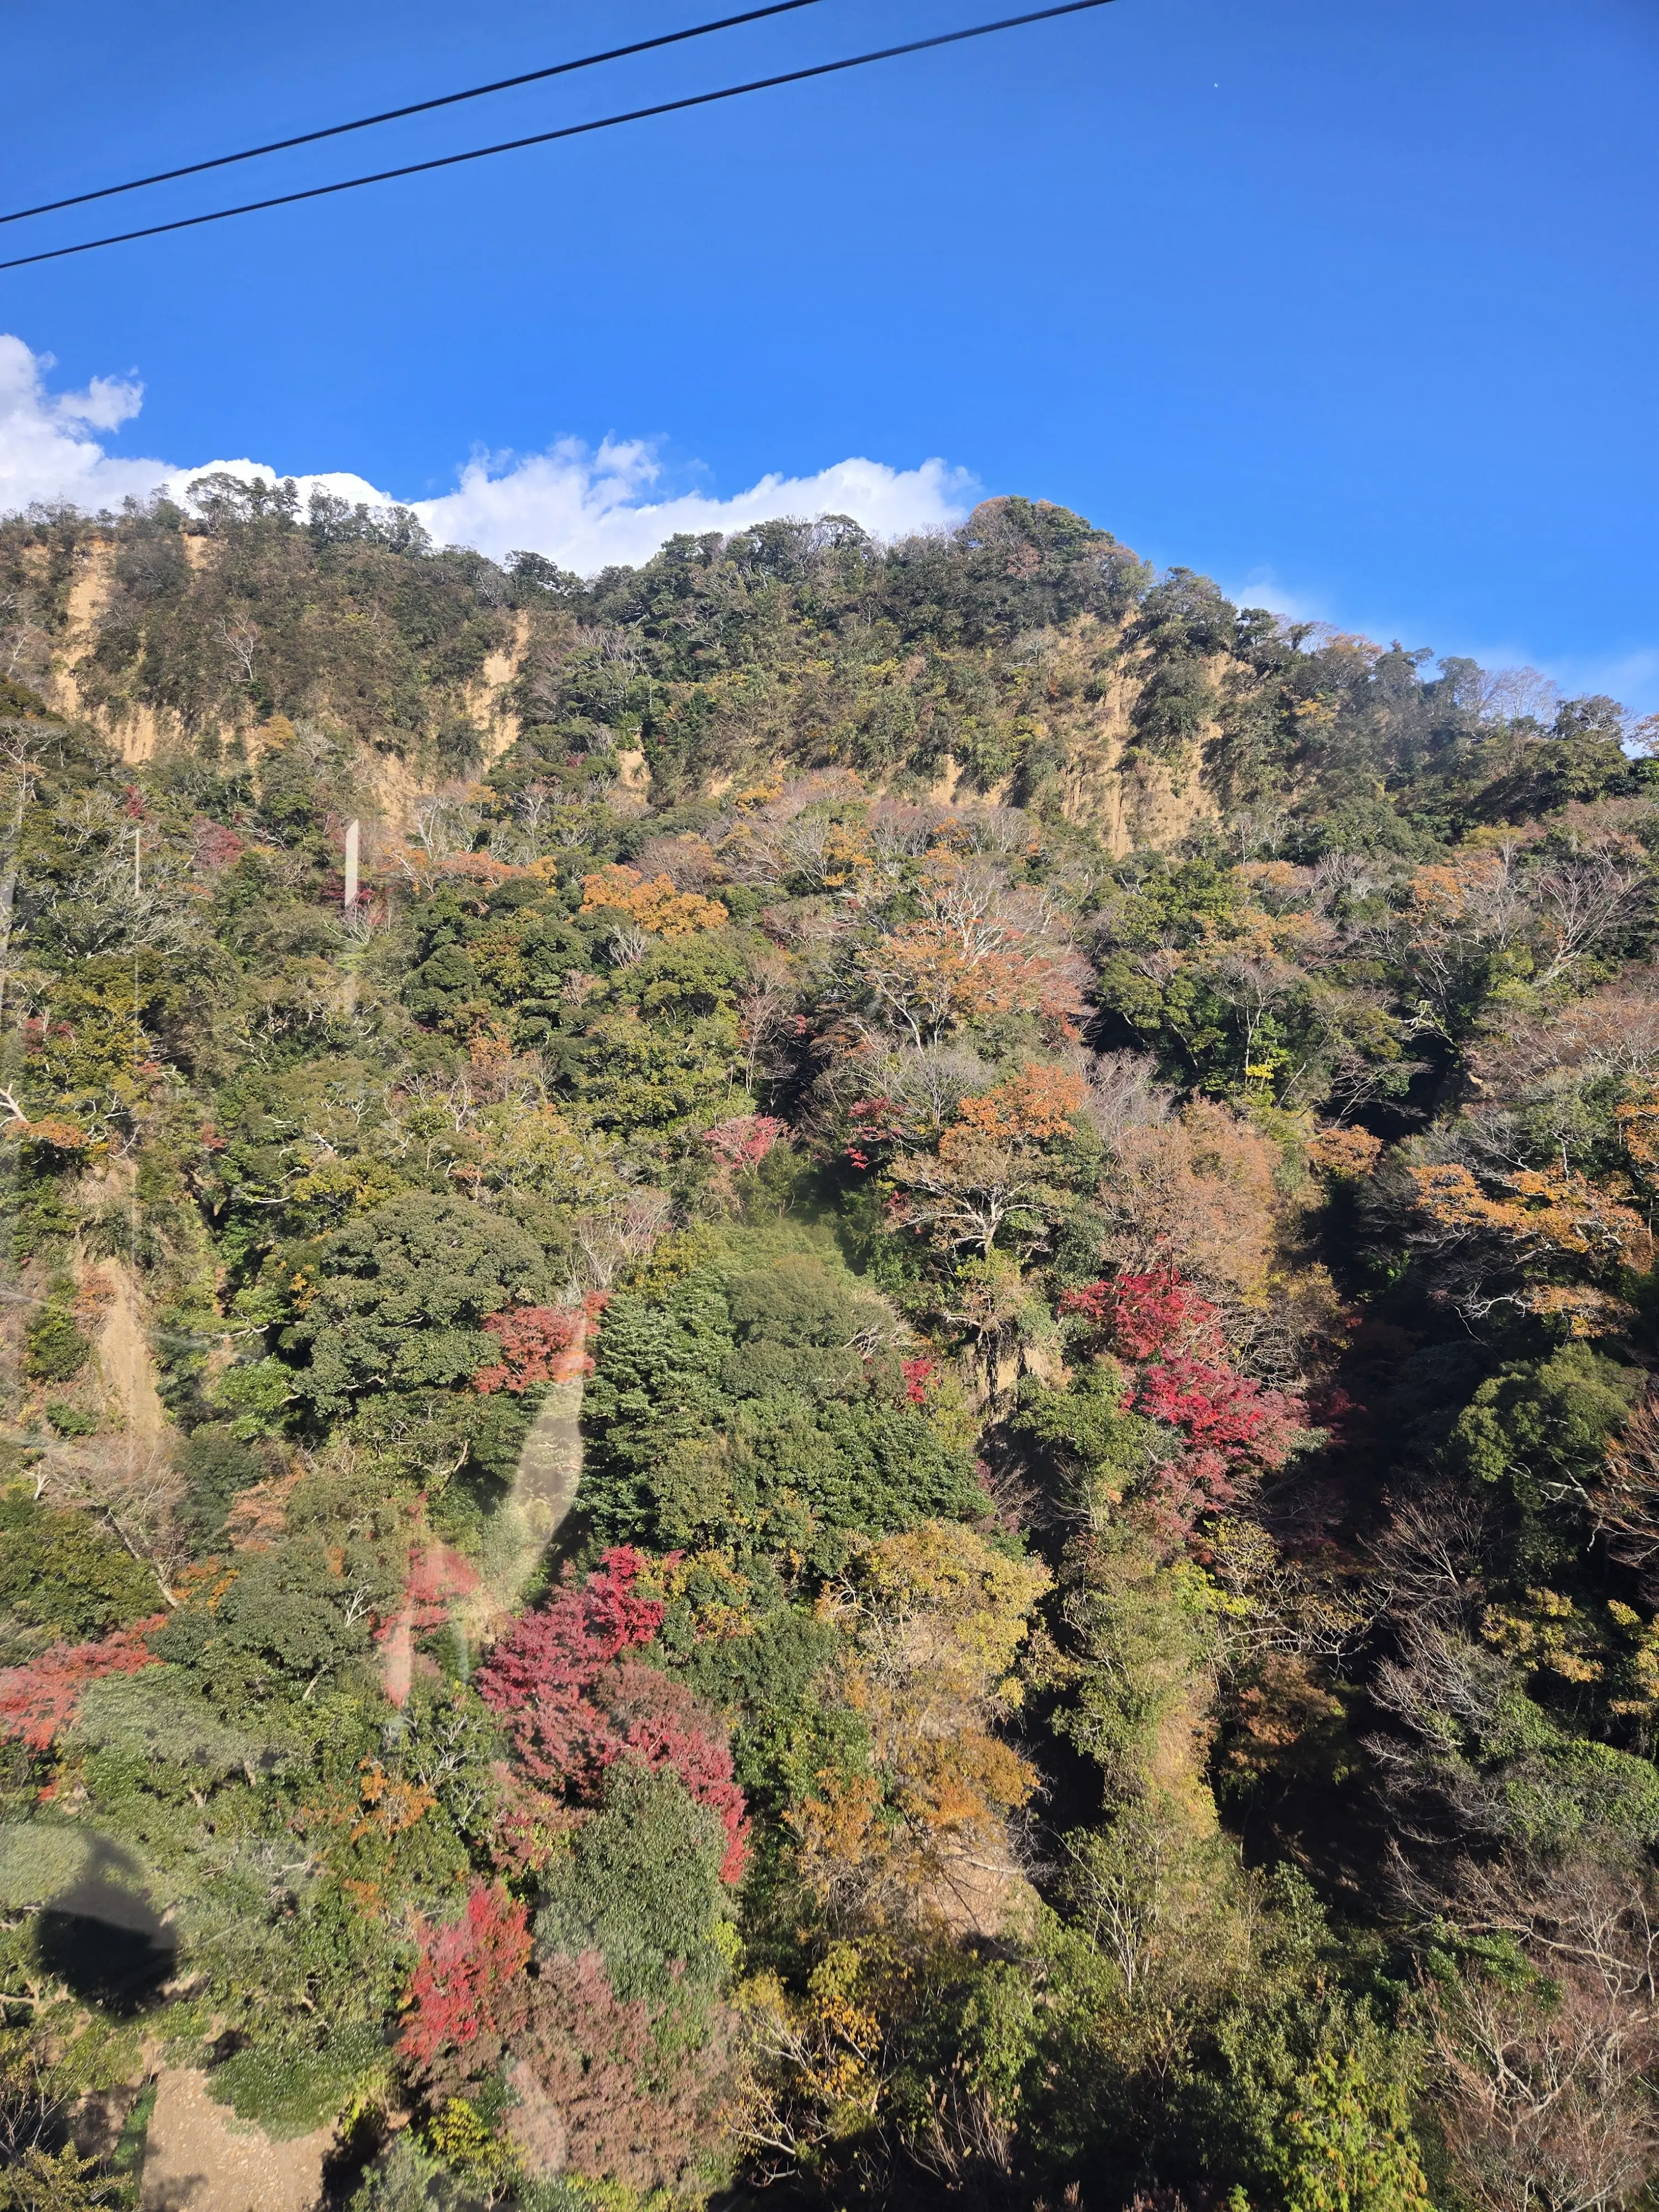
(890, 1440)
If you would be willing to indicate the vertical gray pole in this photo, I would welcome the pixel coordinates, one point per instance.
(350, 899)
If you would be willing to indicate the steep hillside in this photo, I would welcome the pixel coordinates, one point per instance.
(891, 1438)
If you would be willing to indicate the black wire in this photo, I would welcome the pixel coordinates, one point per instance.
(418, 107)
(570, 131)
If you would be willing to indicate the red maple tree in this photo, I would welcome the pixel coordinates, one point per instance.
(916, 1373)
(573, 1703)
(745, 1139)
(1181, 1374)
(539, 1344)
(38, 1701)
(466, 1980)
(437, 1575)
(1142, 1314)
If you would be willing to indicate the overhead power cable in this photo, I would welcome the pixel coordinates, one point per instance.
(569, 130)
(416, 107)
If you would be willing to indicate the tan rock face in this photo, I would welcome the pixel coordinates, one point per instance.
(199, 2157)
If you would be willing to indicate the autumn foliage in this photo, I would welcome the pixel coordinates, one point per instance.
(1181, 1375)
(1142, 1314)
(467, 1978)
(654, 905)
(1196, 1192)
(977, 948)
(937, 1618)
(1549, 1212)
(993, 1170)
(438, 1576)
(573, 1703)
(539, 1344)
(745, 1139)
(598, 2090)
(38, 1701)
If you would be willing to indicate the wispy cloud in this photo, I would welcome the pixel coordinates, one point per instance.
(582, 506)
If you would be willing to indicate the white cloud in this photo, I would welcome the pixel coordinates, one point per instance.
(341, 482)
(587, 509)
(1631, 677)
(1262, 588)
(582, 508)
(46, 451)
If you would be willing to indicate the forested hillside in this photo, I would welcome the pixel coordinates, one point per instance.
(889, 1443)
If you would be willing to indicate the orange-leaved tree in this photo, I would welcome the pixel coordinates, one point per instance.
(977, 948)
(935, 1619)
(999, 1168)
(652, 905)
(1509, 1236)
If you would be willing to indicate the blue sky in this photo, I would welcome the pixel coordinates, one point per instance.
(1353, 308)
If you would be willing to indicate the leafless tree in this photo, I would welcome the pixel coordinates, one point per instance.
(899, 832)
(627, 943)
(25, 644)
(444, 823)
(1427, 1560)
(532, 803)
(17, 770)
(1509, 694)
(131, 1485)
(1257, 832)
(1287, 1606)
(620, 1233)
(922, 1086)
(1546, 2076)
(1582, 901)
(1124, 1093)
(1441, 1691)
(1624, 1498)
(240, 639)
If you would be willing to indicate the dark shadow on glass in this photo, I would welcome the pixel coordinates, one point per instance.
(105, 1940)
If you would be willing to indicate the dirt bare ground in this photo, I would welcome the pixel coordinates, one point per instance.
(200, 2158)
(124, 1357)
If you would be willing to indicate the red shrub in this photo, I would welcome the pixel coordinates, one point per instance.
(1184, 1489)
(538, 1673)
(915, 1373)
(1093, 1301)
(464, 1984)
(216, 846)
(539, 1344)
(573, 1703)
(745, 1139)
(1220, 1410)
(874, 1121)
(437, 1575)
(658, 1721)
(1143, 1314)
(621, 2103)
(1169, 1337)
(37, 1702)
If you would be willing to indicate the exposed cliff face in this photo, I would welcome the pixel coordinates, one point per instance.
(990, 671)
